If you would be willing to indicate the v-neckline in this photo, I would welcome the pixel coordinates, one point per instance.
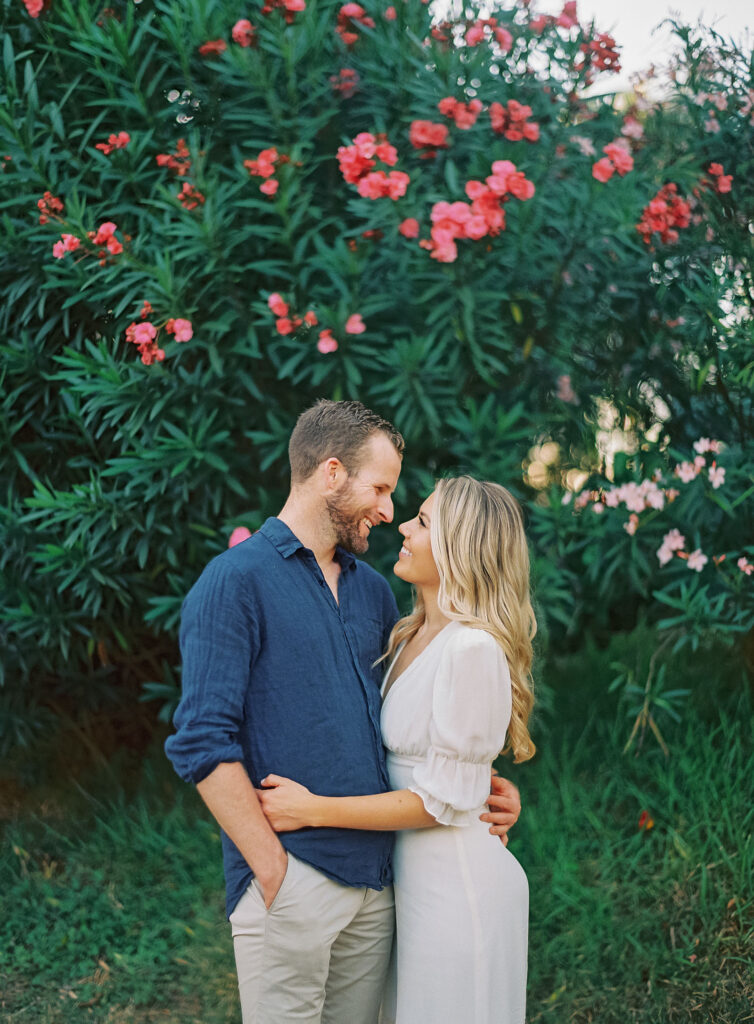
(411, 664)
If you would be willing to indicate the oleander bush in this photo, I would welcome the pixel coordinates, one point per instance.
(215, 212)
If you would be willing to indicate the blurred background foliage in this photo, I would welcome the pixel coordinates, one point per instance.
(562, 355)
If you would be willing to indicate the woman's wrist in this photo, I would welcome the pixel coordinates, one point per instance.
(315, 811)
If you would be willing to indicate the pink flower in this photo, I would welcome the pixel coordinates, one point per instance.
(390, 14)
(409, 228)
(631, 526)
(504, 39)
(706, 444)
(620, 156)
(277, 305)
(180, 329)
(68, 243)
(585, 144)
(664, 555)
(244, 32)
(283, 325)
(744, 566)
(310, 318)
(270, 186)
(603, 170)
(355, 325)
(104, 232)
(632, 128)
(142, 334)
(674, 540)
(475, 34)
(326, 342)
(240, 534)
(686, 472)
(697, 560)
(565, 392)
(716, 476)
(34, 7)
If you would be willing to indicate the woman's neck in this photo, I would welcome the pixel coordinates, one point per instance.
(434, 618)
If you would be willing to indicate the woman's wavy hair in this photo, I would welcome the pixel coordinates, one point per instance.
(482, 558)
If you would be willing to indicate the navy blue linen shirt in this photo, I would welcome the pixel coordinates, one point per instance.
(281, 677)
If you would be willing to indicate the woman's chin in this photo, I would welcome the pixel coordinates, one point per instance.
(399, 569)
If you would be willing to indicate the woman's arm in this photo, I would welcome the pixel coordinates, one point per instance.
(289, 805)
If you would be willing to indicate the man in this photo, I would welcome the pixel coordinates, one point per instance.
(279, 639)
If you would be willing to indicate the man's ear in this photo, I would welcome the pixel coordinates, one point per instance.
(333, 473)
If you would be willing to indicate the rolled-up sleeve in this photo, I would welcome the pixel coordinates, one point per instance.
(219, 638)
(471, 708)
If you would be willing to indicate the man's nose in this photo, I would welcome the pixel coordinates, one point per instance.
(386, 509)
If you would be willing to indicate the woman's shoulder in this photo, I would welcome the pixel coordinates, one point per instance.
(464, 639)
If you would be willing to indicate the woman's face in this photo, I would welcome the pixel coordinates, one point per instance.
(415, 561)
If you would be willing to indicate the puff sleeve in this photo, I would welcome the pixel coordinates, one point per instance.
(471, 709)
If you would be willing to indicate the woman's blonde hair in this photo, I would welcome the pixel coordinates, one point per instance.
(482, 558)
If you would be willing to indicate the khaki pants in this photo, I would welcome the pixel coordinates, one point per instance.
(319, 954)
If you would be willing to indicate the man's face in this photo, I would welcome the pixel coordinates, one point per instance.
(365, 498)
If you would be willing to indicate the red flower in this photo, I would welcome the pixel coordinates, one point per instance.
(213, 46)
(310, 318)
(269, 187)
(49, 206)
(603, 170)
(464, 114)
(646, 821)
(190, 197)
(264, 165)
(346, 82)
(146, 310)
(350, 17)
(513, 122)
(277, 305)
(119, 141)
(664, 214)
(722, 181)
(283, 325)
(244, 33)
(619, 153)
(390, 14)
(429, 136)
(35, 7)
(179, 161)
(409, 228)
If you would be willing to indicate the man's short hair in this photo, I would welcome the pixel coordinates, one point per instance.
(335, 429)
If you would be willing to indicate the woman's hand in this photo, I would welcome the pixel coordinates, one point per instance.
(504, 804)
(287, 804)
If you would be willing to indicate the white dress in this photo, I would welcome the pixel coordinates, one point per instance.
(461, 898)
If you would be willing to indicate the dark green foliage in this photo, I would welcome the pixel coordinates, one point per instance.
(120, 480)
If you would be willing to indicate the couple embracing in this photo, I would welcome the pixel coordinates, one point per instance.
(346, 752)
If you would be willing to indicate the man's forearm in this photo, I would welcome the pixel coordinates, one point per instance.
(231, 798)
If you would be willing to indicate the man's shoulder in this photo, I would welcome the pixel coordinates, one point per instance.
(238, 565)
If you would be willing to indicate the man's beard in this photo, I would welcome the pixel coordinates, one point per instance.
(346, 522)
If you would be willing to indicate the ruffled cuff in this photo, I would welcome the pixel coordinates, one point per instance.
(452, 791)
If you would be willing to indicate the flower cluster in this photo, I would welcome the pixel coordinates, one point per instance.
(721, 181)
(357, 163)
(119, 141)
(632, 128)
(512, 121)
(346, 82)
(566, 19)
(350, 17)
(290, 8)
(285, 323)
(190, 197)
(464, 114)
(264, 167)
(144, 335)
(49, 206)
(485, 28)
(428, 137)
(328, 342)
(617, 158)
(244, 33)
(484, 216)
(103, 239)
(664, 215)
(179, 161)
(601, 53)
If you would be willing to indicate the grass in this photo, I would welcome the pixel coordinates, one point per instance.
(113, 902)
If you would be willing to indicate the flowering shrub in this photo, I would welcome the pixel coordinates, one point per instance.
(357, 200)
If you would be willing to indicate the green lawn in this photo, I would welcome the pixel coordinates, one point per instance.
(112, 891)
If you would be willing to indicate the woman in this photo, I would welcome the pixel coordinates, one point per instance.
(456, 692)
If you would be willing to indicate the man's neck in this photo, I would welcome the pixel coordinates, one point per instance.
(307, 522)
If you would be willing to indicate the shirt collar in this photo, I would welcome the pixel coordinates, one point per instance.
(287, 543)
